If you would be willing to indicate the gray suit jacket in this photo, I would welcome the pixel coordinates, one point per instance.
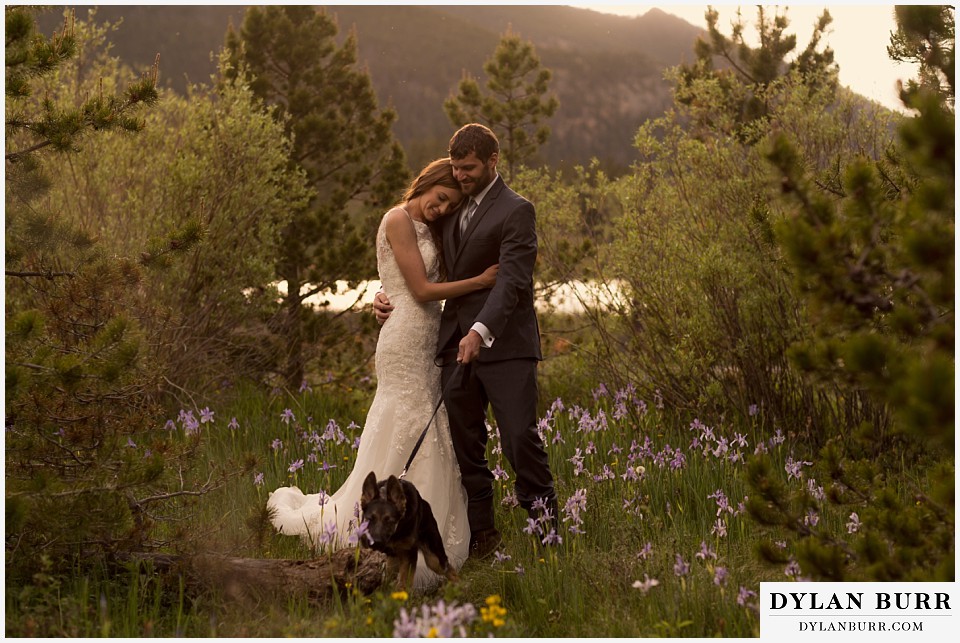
(502, 230)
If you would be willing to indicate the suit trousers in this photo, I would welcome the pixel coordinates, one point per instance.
(509, 387)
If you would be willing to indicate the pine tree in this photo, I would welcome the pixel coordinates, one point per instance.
(925, 36)
(216, 151)
(876, 269)
(342, 140)
(746, 72)
(83, 470)
(515, 104)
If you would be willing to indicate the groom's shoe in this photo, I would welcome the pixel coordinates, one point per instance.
(484, 543)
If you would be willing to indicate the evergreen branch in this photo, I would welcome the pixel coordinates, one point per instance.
(119, 396)
(829, 188)
(911, 282)
(733, 63)
(207, 487)
(943, 512)
(61, 419)
(131, 391)
(94, 115)
(35, 367)
(70, 452)
(190, 395)
(15, 156)
(312, 292)
(49, 274)
(348, 309)
(70, 492)
(333, 170)
(881, 168)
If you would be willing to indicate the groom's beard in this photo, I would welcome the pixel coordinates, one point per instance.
(476, 186)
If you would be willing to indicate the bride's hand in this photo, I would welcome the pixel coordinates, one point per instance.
(488, 278)
(381, 307)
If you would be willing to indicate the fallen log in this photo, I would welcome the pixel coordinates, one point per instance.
(269, 578)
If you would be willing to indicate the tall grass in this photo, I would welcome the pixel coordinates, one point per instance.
(655, 537)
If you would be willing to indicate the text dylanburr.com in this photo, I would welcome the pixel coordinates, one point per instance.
(858, 611)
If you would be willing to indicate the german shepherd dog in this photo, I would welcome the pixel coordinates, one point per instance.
(401, 523)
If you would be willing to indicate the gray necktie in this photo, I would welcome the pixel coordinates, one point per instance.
(471, 207)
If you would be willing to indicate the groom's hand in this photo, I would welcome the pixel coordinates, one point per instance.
(469, 347)
(381, 307)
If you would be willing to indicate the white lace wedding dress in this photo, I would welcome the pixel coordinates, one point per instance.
(408, 388)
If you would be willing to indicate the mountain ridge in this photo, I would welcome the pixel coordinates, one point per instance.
(607, 69)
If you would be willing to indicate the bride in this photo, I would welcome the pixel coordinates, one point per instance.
(410, 265)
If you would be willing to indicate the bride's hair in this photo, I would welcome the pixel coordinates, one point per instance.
(438, 172)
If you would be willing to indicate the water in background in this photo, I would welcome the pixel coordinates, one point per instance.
(566, 298)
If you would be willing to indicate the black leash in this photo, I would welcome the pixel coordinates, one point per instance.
(461, 374)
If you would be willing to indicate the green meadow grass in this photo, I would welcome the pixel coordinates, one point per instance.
(651, 558)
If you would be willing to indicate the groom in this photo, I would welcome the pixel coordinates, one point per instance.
(494, 330)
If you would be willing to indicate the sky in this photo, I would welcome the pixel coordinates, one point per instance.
(858, 35)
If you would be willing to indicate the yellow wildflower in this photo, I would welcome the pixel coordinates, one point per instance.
(432, 634)
(399, 596)
(493, 612)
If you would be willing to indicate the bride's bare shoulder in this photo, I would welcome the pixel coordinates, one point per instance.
(397, 218)
(396, 213)
(398, 226)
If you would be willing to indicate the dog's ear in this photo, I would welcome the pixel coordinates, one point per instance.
(395, 494)
(370, 490)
